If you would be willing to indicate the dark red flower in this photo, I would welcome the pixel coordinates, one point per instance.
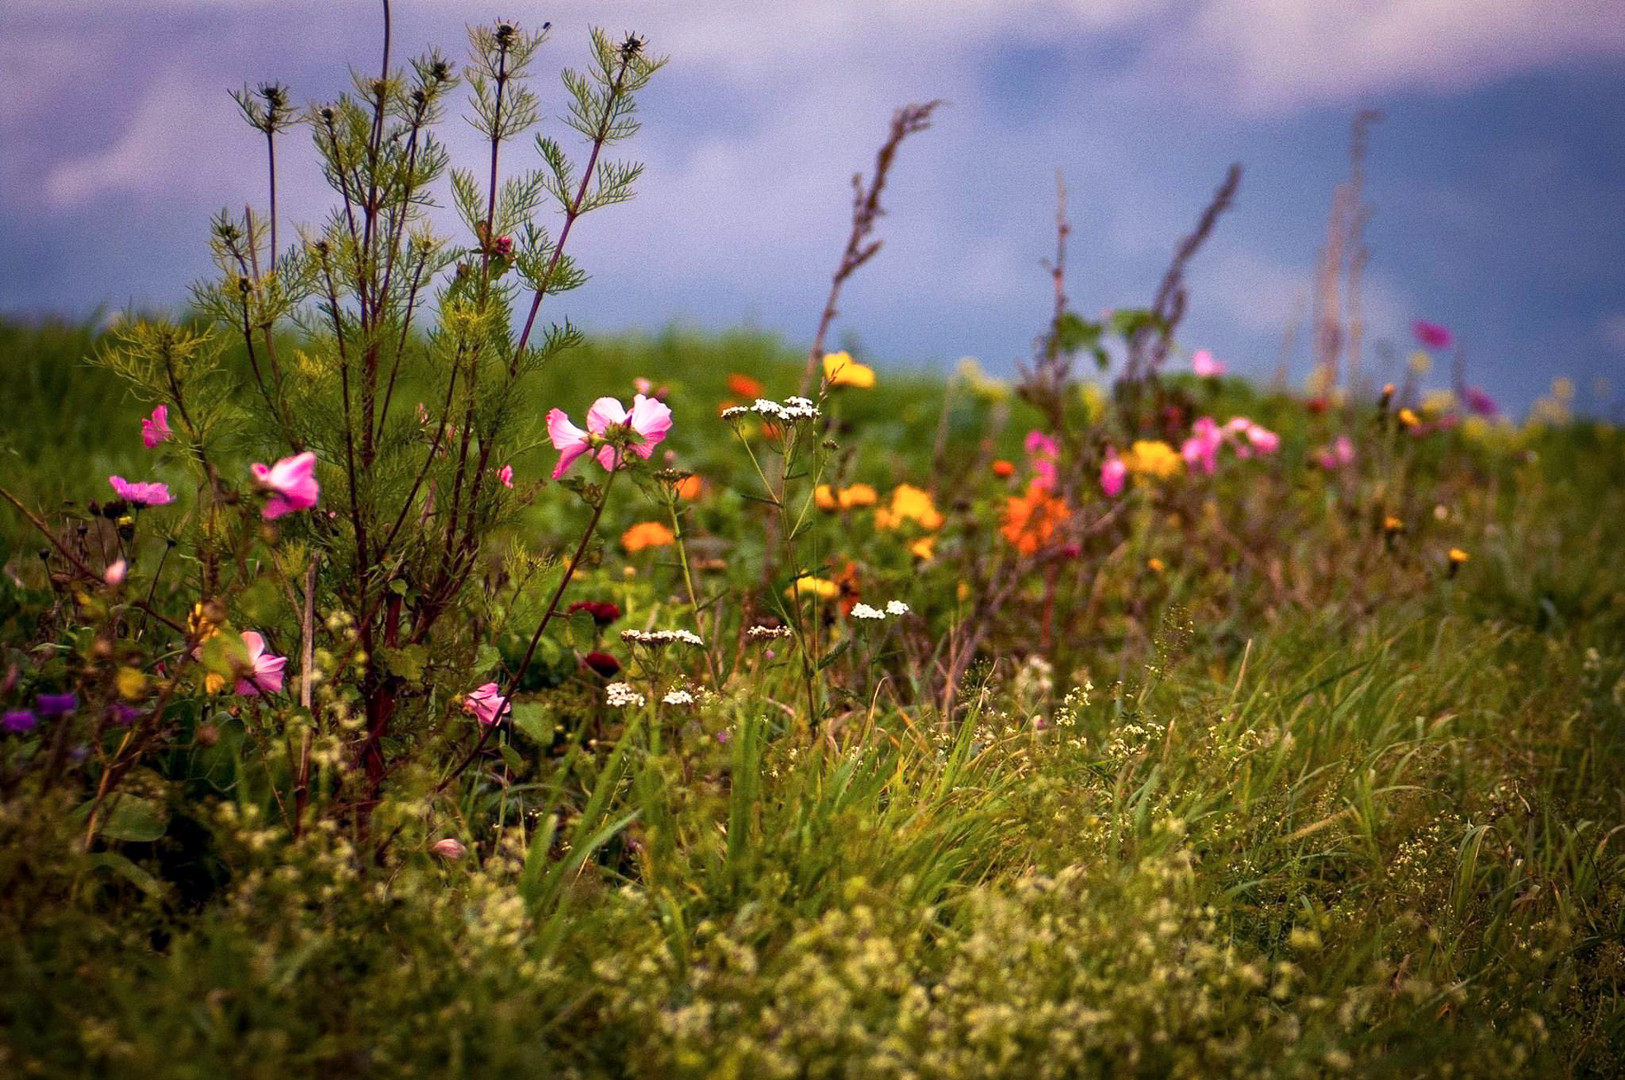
(603, 663)
(602, 611)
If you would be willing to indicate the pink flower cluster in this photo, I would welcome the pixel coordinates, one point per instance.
(1044, 453)
(1204, 365)
(1337, 455)
(1113, 474)
(1201, 450)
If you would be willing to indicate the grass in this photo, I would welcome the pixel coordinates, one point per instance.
(1301, 802)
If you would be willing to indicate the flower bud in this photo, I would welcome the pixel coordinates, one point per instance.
(451, 849)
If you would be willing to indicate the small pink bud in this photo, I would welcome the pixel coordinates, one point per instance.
(451, 849)
(114, 574)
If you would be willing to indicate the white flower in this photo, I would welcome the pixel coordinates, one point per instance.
(619, 695)
(734, 412)
(767, 408)
(864, 611)
(760, 633)
(896, 607)
(678, 697)
(655, 639)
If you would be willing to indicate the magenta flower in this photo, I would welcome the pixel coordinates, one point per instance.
(1431, 335)
(266, 676)
(1263, 439)
(292, 482)
(649, 419)
(19, 721)
(1340, 453)
(505, 474)
(156, 430)
(1113, 474)
(145, 493)
(1479, 402)
(1201, 450)
(1206, 366)
(1043, 452)
(486, 703)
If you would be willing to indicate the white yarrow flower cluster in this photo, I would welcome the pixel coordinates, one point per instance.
(678, 697)
(656, 639)
(768, 633)
(864, 611)
(896, 607)
(619, 695)
(792, 408)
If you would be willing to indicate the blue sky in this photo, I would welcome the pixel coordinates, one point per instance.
(1498, 175)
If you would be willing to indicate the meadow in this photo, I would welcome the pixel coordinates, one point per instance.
(389, 691)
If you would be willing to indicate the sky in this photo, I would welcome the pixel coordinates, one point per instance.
(1497, 175)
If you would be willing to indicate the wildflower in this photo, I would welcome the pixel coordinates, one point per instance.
(156, 430)
(744, 386)
(1113, 474)
(114, 574)
(1155, 565)
(55, 704)
(1457, 559)
(1479, 402)
(864, 611)
(602, 611)
(848, 498)
(18, 721)
(1153, 457)
(1205, 366)
(486, 703)
(690, 487)
(924, 548)
(677, 697)
(824, 498)
(1030, 520)
(292, 482)
(1408, 419)
(122, 714)
(505, 474)
(130, 683)
(649, 421)
(647, 534)
(909, 503)
(896, 607)
(145, 493)
(822, 588)
(1431, 335)
(1340, 453)
(1256, 436)
(841, 370)
(264, 669)
(603, 664)
(658, 638)
(502, 247)
(1042, 452)
(1392, 525)
(1003, 469)
(450, 849)
(1201, 450)
(765, 633)
(619, 695)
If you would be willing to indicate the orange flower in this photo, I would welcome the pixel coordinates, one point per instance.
(909, 503)
(1003, 469)
(646, 534)
(925, 548)
(690, 487)
(744, 386)
(1030, 520)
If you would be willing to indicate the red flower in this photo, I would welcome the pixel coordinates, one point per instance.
(603, 663)
(602, 611)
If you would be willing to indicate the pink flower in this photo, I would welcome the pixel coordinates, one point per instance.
(146, 493)
(267, 669)
(503, 247)
(1113, 474)
(1266, 441)
(451, 849)
(115, 572)
(292, 482)
(156, 430)
(486, 703)
(1201, 450)
(505, 474)
(649, 419)
(1340, 453)
(1479, 402)
(1431, 335)
(1205, 366)
(1043, 452)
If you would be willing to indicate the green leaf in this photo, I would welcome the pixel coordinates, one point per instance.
(834, 654)
(118, 864)
(511, 756)
(407, 662)
(133, 819)
(486, 658)
(534, 720)
(224, 654)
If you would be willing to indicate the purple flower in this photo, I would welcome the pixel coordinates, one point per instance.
(122, 713)
(1431, 335)
(145, 493)
(18, 721)
(1479, 402)
(56, 704)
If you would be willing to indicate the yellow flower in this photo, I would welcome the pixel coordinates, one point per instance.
(848, 498)
(824, 498)
(822, 588)
(213, 682)
(1153, 457)
(1458, 556)
(646, 534)
(1392, 524)
(841, 370)
(909, 503)
(1156, 565)
(924, 548)
(130, 683)
(1409, 418)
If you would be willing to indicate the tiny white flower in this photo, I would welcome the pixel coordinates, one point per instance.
(864, 611)
(619, 695)
(767, 408)
(678, 697)
(896, 607)
(734, 412)
(761, 633)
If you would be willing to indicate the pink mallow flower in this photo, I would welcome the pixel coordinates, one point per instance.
(1201, 450)
(145, 493)
(156, 430)
(115, 573)
(266, 677)
(1043, 452)
(1335, 456)
(505, 474)
(649, 419)
(486, 703)
(1431, 335)
(1206, 366)
(1113, 474)
(292, 483)
(1256, 436)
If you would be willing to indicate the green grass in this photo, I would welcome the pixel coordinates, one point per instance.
(1323, 809)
